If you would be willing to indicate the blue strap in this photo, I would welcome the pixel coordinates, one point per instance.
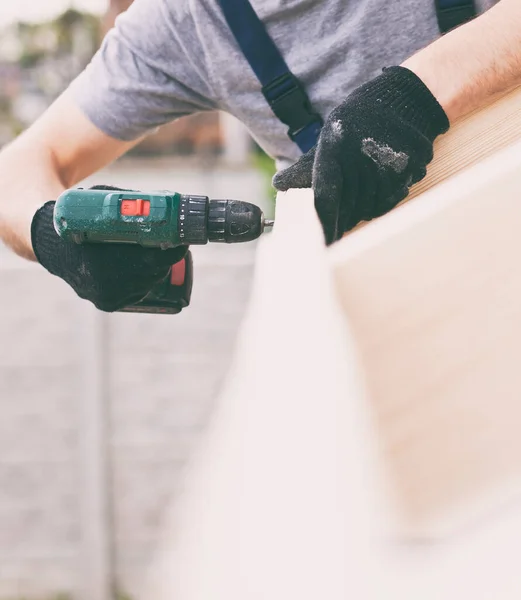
(452, 13)
(282, 90)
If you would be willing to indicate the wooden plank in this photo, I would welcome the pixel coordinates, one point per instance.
(285, 497)
(406, 396)
(433, 295)
(475, 137)
(267, 513)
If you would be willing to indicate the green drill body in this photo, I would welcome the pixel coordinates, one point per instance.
(98, 216)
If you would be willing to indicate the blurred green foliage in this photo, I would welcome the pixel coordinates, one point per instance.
(38, 61)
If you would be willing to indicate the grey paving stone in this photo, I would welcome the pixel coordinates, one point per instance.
(164, 375)
(37, 319)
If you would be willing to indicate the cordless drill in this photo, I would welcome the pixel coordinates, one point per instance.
(162, 219)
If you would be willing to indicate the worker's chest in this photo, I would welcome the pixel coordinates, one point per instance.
(332, 46)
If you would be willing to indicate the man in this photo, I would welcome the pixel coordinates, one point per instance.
(168, 58)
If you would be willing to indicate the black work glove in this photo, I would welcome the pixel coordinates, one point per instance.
(372, 148)
(111, 276)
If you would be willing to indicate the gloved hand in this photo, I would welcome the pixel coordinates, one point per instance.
(111, 276)
(372, 148)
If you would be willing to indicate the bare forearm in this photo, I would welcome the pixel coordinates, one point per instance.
(29, 179)
(56, 152)
(470, 65)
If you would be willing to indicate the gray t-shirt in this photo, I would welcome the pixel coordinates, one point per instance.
(169, 58)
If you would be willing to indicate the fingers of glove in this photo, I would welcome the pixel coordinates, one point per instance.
(418, 174)
(107, 303)
(114, 302)
(391, 201)
(44, 238)
(168, 257)
(328, 190)
(342, 180)
(357, 191)
(111, 283)
(364, 183)
(131, 262)
(392, 189)
(299, 175)
(420, 152)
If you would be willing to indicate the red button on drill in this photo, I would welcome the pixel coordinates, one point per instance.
(178, 273)
(135, 208)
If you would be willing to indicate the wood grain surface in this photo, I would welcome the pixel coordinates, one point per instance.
(433, 295)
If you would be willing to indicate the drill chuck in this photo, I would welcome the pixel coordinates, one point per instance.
(230, 221)
(227, 221)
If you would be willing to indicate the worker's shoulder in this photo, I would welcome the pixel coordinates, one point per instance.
(204, 12)
(164, 31)
(167, 21)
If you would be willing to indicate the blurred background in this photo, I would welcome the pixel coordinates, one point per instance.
(100, 413)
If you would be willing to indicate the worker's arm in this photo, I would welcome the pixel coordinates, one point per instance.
(135, 83)
(468, 66)
(380, 139)
(56, 152)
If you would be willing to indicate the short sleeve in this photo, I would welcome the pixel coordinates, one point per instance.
(142, 77)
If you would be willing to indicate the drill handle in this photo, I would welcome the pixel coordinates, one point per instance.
(171, 295)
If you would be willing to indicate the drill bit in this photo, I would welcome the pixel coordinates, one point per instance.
(269, 222)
